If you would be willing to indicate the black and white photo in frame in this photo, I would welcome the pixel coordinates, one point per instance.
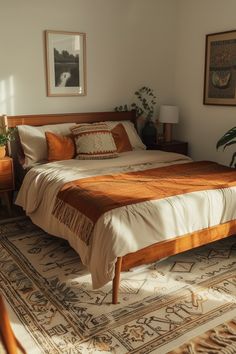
(65, 63)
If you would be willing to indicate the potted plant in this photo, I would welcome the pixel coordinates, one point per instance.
(5, 137)
(144, 106)
(228, 139)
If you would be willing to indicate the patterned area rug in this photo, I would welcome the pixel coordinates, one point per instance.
(162, 306)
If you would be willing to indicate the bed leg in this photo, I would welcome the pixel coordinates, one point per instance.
(116, 281)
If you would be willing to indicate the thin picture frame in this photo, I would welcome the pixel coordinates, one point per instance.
(65, 63)
(220, 69)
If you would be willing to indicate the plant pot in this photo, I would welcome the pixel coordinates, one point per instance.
(149, 133)
(2, 151)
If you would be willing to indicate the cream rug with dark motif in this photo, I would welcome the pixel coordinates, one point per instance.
(168, 306)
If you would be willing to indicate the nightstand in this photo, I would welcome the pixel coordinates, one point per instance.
(6, 181)
(179, 147)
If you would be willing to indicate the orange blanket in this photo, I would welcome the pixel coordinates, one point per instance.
(80, 203)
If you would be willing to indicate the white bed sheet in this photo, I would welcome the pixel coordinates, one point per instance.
(127, 229)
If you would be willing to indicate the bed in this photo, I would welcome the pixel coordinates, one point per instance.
(127, 236)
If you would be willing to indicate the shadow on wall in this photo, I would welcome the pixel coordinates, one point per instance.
(7, 95)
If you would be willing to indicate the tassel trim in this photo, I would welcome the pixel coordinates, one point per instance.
(72, 218)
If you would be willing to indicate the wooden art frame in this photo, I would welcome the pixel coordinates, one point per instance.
(220, 69)
(65, 63)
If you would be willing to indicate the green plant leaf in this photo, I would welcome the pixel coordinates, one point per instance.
(227, 137)
(232, 160)
(145, 102)
(7, 136)
(230, 143)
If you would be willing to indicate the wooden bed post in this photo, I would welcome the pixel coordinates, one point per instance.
(116, 281)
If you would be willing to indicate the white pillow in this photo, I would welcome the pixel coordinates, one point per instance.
(134, 138)
(94, 141)
(34, 143)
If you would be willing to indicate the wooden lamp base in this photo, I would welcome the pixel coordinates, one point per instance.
(168, 132)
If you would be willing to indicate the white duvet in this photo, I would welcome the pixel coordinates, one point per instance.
(129, 228)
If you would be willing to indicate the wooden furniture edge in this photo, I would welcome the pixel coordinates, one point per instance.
(116, 280)
(7, 193)
(89, 117)
(167, 248)
(8, 338)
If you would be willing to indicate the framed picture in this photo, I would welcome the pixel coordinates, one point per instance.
(220, 69)
(65, 63)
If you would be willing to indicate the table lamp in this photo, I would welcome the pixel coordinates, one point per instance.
(168, 115)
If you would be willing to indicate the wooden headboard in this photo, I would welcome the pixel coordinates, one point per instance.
(43, 119)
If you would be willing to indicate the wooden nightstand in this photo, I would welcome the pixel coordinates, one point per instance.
(6, 181)
(179, 147)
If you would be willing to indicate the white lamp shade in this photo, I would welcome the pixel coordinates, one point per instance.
(169, 114)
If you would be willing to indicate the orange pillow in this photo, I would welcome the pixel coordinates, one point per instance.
(59, 147)
(121, 138)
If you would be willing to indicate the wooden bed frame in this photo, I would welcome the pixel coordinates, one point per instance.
(156, 251)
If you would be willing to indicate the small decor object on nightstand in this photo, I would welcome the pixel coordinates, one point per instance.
(6, 181)
(168, 115)
(6, 135)
(149, 133)
(2, 151)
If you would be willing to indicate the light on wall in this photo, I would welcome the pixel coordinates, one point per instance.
(168, 115)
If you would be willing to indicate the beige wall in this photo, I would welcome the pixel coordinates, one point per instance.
(129, 44)
(201, 125)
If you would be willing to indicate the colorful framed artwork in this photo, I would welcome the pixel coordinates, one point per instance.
(220, 69)
(65, 63)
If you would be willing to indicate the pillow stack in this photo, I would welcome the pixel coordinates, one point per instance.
(56, 142)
